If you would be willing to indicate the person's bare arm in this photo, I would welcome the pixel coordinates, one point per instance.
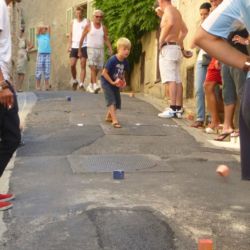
(84, 34)
(49, 30)
(183, 33)
(107, 77)
(38, 30)
(70, 37)
(220, 49)
(167, 24)
(107, 41)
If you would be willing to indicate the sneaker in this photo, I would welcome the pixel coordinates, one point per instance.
(74, 84)
(179, 113)
(96, 87)
(6, 197)
(4, 205)
(168, 113)
(90, 88)
(81, 86)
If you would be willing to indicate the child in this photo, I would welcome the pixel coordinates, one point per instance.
(113, 77)
(43, 56)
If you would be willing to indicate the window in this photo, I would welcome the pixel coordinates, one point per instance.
(32, 37)
(69, 17)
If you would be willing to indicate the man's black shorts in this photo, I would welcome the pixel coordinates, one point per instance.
(74, 53)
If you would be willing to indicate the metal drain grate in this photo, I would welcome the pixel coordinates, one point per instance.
(108, 163)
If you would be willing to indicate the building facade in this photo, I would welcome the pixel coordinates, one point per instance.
(58, 15)
(145, 76)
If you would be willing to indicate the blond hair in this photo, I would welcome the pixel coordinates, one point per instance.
(98, 12)
(123, 42)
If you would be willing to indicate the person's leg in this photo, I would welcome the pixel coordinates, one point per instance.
(179, 94)
(83, 70)
(112, 111)
(229, 97)
(39, 70)
(10, 135)
(245, 132)
(73, 62)
(199, 91)
(212, 104)
(20, 79)
(47, 66)
(172, 93)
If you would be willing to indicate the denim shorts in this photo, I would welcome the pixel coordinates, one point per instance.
(233, 83)
(112, 95)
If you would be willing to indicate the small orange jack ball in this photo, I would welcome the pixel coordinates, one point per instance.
(223, 170)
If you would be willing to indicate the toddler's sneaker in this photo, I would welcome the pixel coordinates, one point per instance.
(96, 87)
(6, 197)
(90, 88)
(4, 205)
(167, 113)
(179, 113)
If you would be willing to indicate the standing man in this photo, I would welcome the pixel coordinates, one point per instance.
(9, 121)
(43, 63)
(173, 32)
(212, 38)
(97, 35)
(77, 27)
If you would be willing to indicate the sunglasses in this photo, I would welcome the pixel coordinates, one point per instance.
(99, 16)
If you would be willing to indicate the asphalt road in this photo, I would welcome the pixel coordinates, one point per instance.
(171, 196)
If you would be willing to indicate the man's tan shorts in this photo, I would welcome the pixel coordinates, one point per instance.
(170, 62)
(95, 57)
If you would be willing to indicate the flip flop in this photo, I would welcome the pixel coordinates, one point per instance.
(223, 136)
(116, 125)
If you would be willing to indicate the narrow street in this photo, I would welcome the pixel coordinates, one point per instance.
(171, 196)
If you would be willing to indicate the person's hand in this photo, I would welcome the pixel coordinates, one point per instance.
(240, 40)
(159, 12)
(110, 52)
(120, 83)
(6, 98)
(79, 53)
(69, 49)
(187, 53)
(217, 64)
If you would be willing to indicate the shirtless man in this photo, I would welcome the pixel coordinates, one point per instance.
(173, 32)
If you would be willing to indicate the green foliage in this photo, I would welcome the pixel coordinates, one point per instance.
(129, 18)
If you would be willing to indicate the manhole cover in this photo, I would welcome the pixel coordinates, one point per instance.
(108, 163)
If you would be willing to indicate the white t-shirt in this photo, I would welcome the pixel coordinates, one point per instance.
(226, 17)
(5, 40)
(77, 29)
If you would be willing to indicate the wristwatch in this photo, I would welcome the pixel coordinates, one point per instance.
(246, 66)
(3, 85)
